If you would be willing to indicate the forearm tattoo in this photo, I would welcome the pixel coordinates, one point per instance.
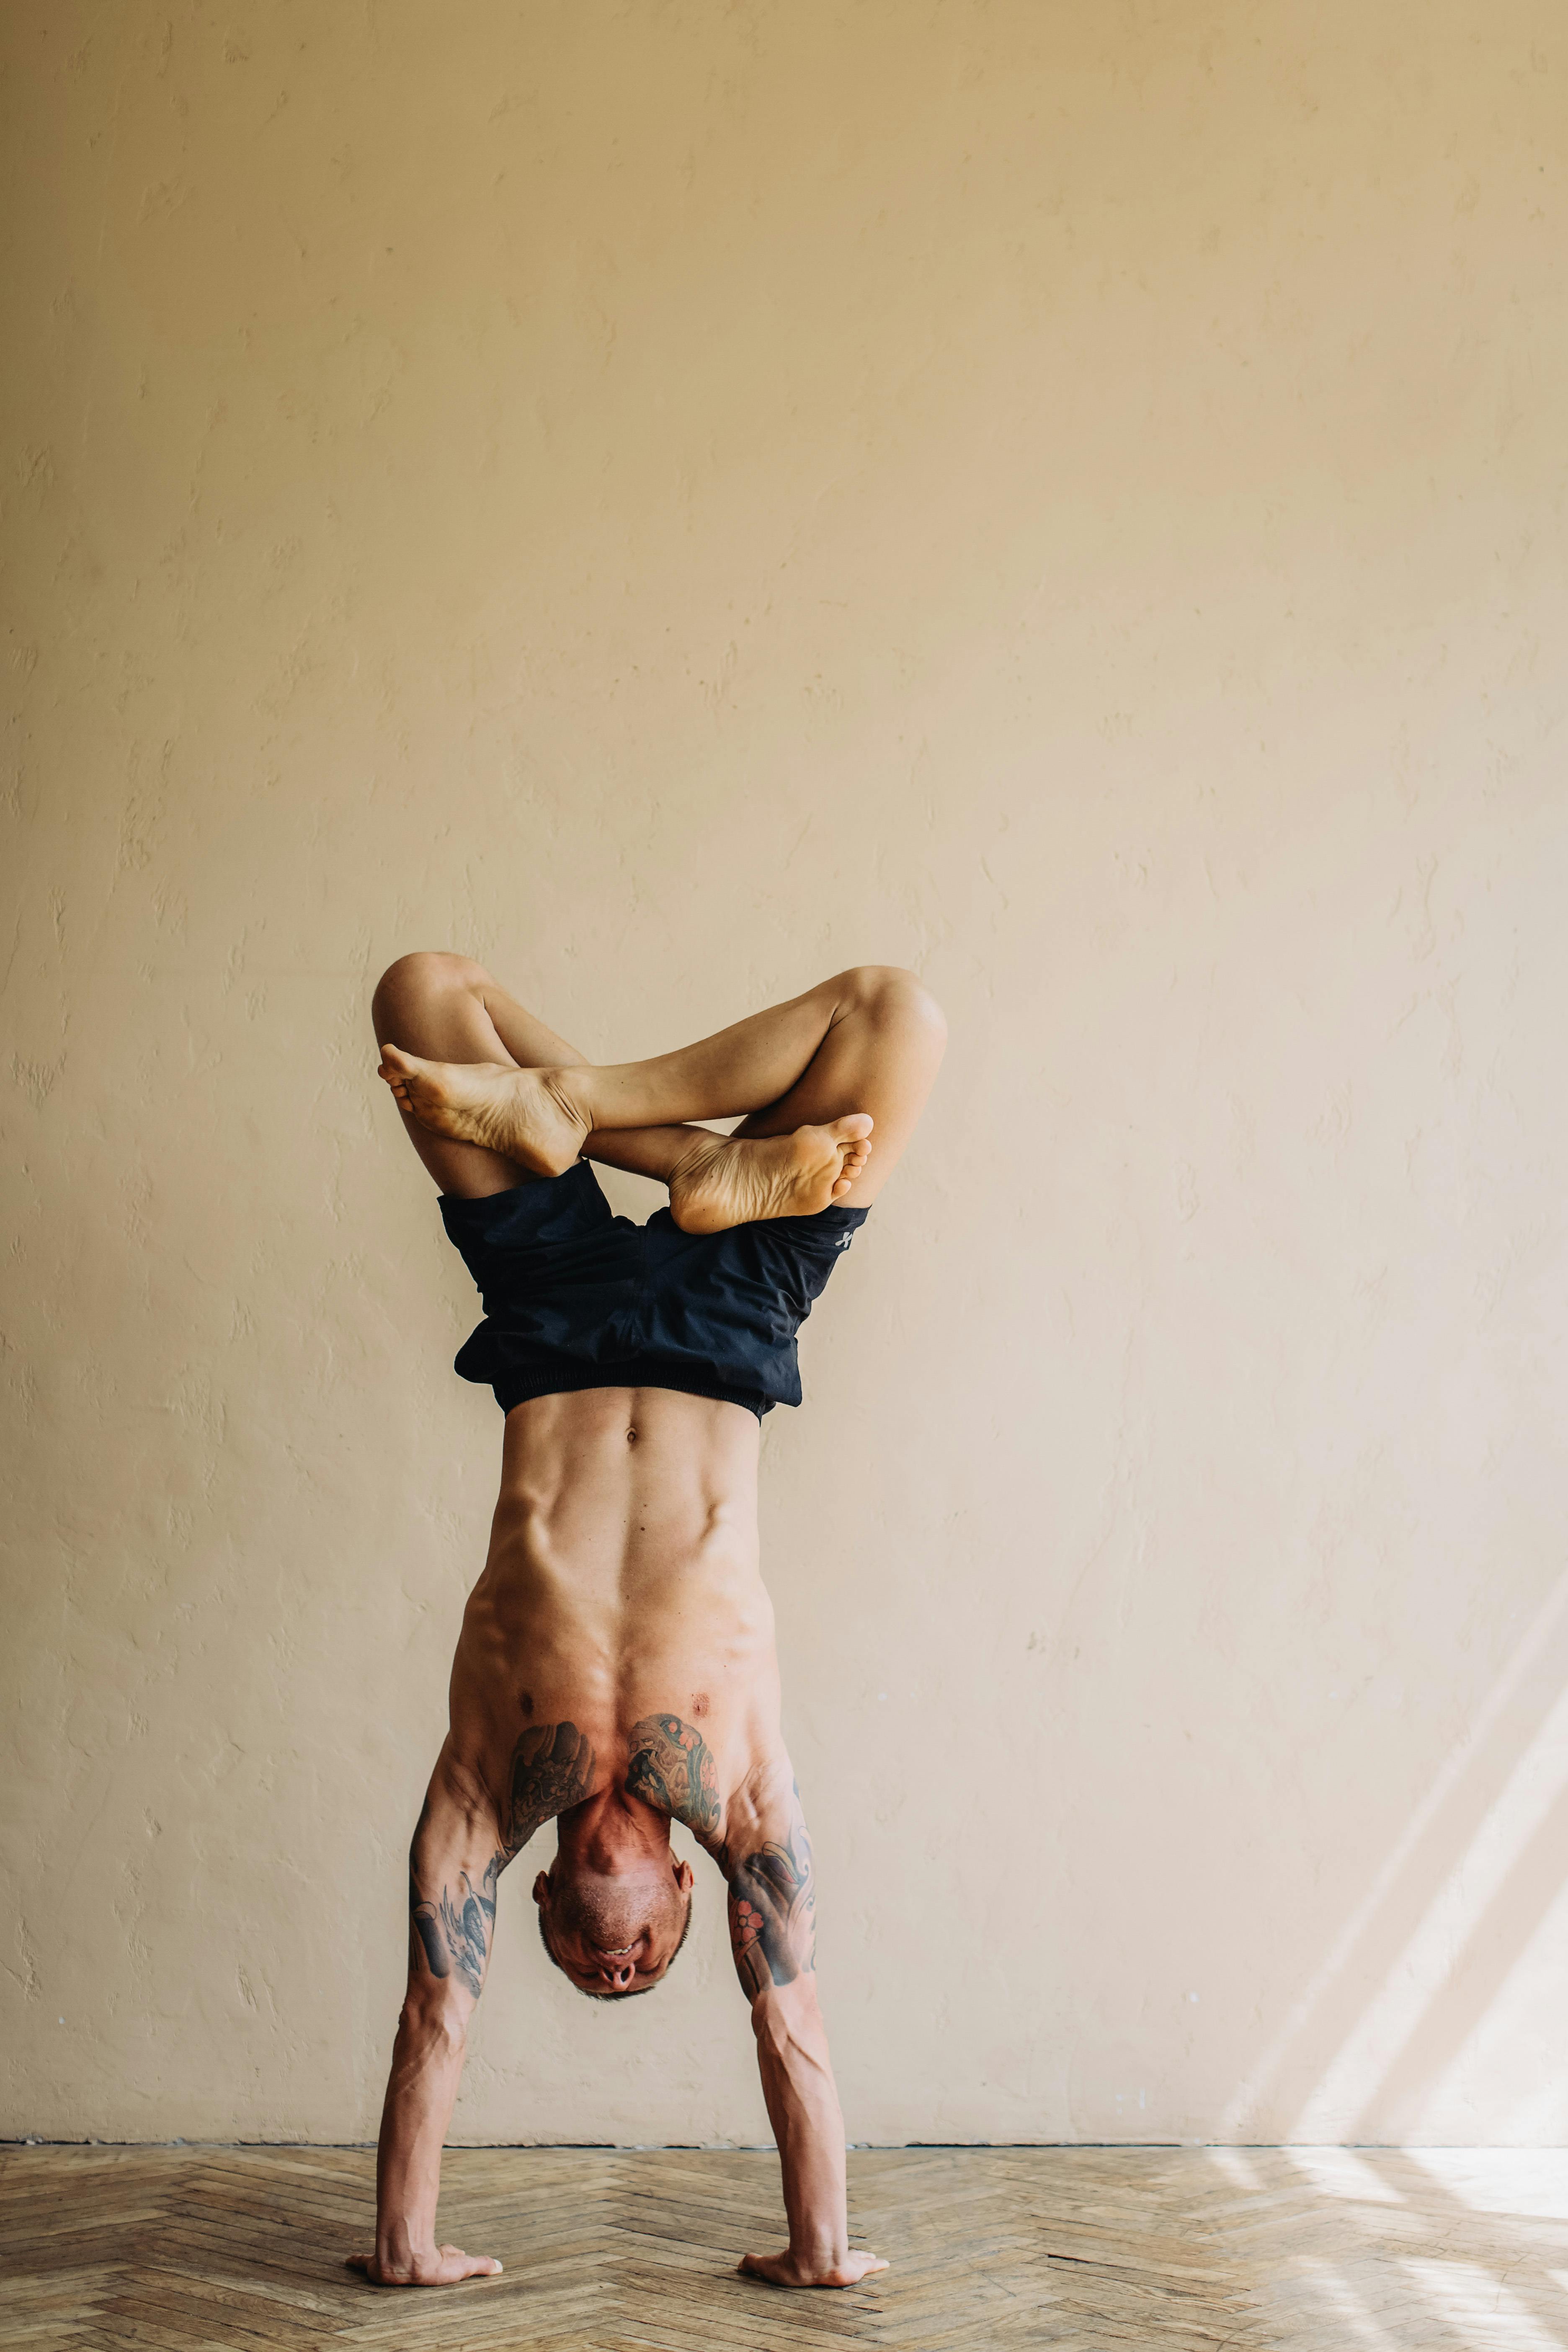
(454, 1932)
(672, 1769)
(773, 1909)
(552, 1770)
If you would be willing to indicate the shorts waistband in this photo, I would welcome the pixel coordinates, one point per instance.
(520, 1386)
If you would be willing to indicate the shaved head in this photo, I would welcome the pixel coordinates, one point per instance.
(614, 1934)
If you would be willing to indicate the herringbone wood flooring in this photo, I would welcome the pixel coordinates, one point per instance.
(240, 2249)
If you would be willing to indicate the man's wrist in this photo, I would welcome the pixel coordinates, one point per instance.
(819, 2250)
(397, 2253)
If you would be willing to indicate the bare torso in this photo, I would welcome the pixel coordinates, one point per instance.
(622, 1582)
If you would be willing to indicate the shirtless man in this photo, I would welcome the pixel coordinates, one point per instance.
(616, 1669)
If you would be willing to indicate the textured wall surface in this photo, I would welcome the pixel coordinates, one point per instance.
(673, 501)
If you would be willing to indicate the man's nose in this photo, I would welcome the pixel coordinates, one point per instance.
(618, 1973)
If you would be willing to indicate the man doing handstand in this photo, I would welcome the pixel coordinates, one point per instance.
(617, 1669)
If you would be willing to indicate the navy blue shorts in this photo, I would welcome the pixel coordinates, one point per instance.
(577, 1298)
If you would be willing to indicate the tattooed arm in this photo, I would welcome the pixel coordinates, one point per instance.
(758, 1840)
(453, 1932)
(766, 1855)
(773, 1908)
(455, 1863)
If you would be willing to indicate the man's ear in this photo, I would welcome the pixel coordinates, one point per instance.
(683, 1877)
(541, 1887)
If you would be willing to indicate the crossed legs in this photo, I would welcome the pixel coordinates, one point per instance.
(492, 1095)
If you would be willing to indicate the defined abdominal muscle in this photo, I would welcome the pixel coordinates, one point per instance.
(623, 1561)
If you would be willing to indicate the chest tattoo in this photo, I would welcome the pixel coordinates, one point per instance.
(552, 1770)
(672, 1769)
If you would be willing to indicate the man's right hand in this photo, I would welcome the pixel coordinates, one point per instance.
(443, 2266)
(789, 2270)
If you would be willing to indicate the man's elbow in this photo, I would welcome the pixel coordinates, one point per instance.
(434, 2021)
(788, 2021)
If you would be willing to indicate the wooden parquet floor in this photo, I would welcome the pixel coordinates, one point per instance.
(1191, 2249)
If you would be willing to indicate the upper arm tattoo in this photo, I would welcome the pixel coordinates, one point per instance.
(773, 1907)
(672, 1769)
(454, 1932)
(552, 1769)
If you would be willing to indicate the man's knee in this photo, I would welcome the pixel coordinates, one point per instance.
(896, 996)
(414, 981)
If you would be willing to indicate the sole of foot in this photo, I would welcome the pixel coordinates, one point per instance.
(728, 1180)
(525, 1114)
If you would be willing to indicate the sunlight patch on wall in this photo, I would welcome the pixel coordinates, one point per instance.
(1365, 2053)
(1423, 1972)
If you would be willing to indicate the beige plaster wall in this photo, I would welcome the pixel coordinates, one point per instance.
(674, 500)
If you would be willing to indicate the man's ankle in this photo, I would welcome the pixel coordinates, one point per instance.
(570, 1087)
(697, 1155)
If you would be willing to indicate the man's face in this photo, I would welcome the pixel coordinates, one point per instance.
(615, 1935)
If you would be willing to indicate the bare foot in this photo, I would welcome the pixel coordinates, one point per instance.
(725, 1181)
(444, 2267)
(785, 2269)
(528, 1115)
